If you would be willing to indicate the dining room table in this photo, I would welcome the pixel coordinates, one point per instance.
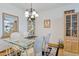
(23, 44)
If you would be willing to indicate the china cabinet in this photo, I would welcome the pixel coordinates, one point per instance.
(71, 38)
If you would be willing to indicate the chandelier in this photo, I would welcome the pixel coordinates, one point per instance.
(31, 13)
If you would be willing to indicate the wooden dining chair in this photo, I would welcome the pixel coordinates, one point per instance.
(53, 51)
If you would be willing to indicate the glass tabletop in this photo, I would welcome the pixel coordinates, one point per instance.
(25, 43)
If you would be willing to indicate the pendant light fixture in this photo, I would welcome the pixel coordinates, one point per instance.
(31, 13)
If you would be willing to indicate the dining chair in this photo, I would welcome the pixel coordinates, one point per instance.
(16, 37)
(50, 50)
(46, 38)
(54, 51)
(39, 46)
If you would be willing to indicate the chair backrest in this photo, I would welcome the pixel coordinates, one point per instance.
(16, 36)
(47, 37)
(39, 45)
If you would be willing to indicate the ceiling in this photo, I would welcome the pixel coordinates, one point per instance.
(38, 6)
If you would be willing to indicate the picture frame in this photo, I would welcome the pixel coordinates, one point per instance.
(47, 23)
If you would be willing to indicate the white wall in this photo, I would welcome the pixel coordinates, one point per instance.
(56, 15)
(8, 8)
(57, 22)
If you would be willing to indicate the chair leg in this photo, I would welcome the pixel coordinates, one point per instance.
(43, 53)
(57, 51)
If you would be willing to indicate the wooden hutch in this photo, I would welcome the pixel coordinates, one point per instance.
(71, 37)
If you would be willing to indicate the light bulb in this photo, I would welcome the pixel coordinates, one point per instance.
(29, 19)
(36, 15)
(33, 13)
(26, 13)
(32, 16)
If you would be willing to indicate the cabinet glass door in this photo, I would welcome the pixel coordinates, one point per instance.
(68, 25)
(74, 25)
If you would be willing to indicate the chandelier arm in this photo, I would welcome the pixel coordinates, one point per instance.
(31, 7)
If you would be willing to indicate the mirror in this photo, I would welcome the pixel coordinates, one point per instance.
(10, 24)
